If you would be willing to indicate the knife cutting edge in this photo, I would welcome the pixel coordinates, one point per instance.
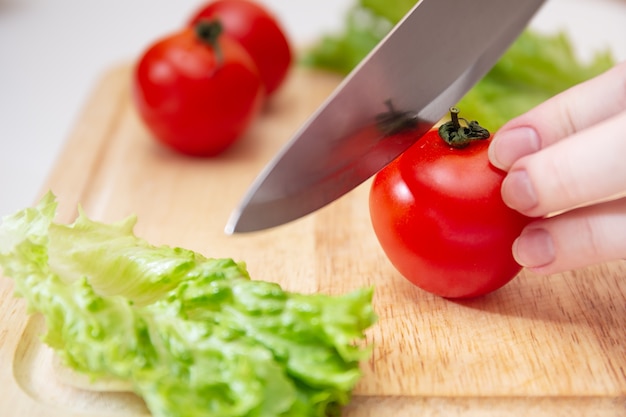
(428, 61)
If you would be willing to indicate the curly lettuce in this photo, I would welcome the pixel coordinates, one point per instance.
(193, 336)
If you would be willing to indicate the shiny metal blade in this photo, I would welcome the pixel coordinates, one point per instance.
(423, 66)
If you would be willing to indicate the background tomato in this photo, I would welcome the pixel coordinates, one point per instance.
(193, 98)
(439, 217)
(258, 31)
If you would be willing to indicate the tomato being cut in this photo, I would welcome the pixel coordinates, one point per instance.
(439, 216)
(258, 31)
(197, 90)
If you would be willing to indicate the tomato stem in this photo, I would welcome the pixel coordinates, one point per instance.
(458, 135)
(454, 116)
(209, 31)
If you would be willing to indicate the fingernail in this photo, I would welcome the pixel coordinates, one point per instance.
(534, 248)
(510, 145)
(518, 192)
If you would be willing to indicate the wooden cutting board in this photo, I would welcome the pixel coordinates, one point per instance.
(541, 346)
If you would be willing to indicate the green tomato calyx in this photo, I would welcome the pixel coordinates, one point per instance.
(460, 135)
(208, 32)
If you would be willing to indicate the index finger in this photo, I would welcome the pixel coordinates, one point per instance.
(561, 116)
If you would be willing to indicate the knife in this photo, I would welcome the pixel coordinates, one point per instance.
(428, 61)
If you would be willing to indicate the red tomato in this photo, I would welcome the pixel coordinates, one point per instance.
(258, 31)
(439, 217)
(197, 90)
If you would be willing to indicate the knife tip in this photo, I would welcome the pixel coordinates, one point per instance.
(231, 225)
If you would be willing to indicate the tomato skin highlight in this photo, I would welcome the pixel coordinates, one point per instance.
(440, 219)
(191, 100)
(258, 31)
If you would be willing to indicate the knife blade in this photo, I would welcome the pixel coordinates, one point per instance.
(427, 62)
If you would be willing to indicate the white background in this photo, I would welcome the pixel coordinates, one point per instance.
(52, 52)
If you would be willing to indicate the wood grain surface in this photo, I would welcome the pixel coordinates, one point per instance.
(541, 346)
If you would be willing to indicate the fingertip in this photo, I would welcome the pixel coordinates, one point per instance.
(509, 145)
(534, 248)
(493, 155)
(518, 191)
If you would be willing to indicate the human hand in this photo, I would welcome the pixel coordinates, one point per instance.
(566, 163)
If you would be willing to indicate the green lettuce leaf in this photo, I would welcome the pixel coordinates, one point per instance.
(341, 52)
(535, 68)
(391, 10)
(194, 336)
